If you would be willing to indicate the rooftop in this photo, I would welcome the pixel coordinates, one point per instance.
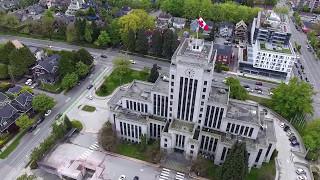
(139, 90)
(285, 49)
(182, 126)
(219, 93)
(161, 85)
(17, 44)
(270, 20)
(244, 111)
(129, 115)
(194, 51)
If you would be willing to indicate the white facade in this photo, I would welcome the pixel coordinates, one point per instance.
(75, 5)
(190, 113)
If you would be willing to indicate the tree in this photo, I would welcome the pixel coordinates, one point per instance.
(237, 91)
(311, 138)
(88, 32)
(47, 22)
(84, 56)
(249, 3)
(69, 81)
(107, 137)
(281, 10)
(91, 12)
(113, 31)
(122, 66)
(156, 43)
(19, 60)
(154, 74)
(67, 122)
(293, 99)
(170, 44)
(3, 71)
(192, 8)
(173, 6)
(80, 26)
(5, 52)
(24, 121)
(103, 39)
(27, 177)
(131, 43)
(82, 69)
(66, 63)
(26, 89)
(142, 44)
(236, 163)
(71, 34)
(42, 103)
(212, 34)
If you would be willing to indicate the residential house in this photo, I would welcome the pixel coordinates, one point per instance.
(34, 10)
(37, 52)
(13, 90)
(8, 116)
(240, 32)
(23, 102)
(225, 29)
(163, 20)
(74, 6)
(123, 11)
(46, 69)
(59, 4)
(178, 22)
(17, 44)
(224, 53)
(3, 99)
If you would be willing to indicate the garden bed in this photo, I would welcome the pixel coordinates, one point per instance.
(88, 108)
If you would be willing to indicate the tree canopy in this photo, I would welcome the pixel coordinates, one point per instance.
(24, 122)
(69, 81)
(154, 74)
(237, 91)
(292, 99)
(42, 103)
(20, 60)
(311, 138)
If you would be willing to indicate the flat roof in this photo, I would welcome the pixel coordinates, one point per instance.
(161, 86)
(219, 93)
(182, 126)
(279, 48)
(268, 19)
(244, 111)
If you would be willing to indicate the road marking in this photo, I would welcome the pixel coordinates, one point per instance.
(36, 132)
(166, 169)
(162, 174)
(141, 170)
(164, 177)
(180, 173)
(68, 99)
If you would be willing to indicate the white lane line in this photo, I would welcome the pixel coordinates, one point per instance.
(36, 132)
(68, 99)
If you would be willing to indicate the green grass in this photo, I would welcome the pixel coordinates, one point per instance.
(53, 88)
(131, 150)
(88, 108)
(263, 101)
(266, 172)
(13, 145)
(262, 80)
(115, 80)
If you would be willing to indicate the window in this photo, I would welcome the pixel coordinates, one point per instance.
(201, 109)
(171, 90)
(165, 139)
(205, 83)
(250, 132)
(165, 145)
(192, 146)
(202, 103)
(199, 121)
(171, 96)
(200, 115)
(228, 127)
(171, 102)
(204, 90)
(172, 76)
(203, 96)
(170, 108)
(191, 152)
(172, 83)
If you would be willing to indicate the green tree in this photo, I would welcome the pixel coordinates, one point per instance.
(69, 81)
(281, 10)
(27, 177)
(154, 74)
(67, 122)
(5, 52)
(20, 60)
(91, 12)
(42, 103)
(3, 71)
(113, 31)
(293, 99)
(192, 8)
(80, 25)
(71, 34)
(311, 139)
(142, 44)
(156, 43)
(24, 122)
(66, 63)
(122, 66)
(82, 69)
(131, 43)
(95, 31)
(212, 34)
(237, 91)
(170, 44)
(47, 21)
(84, 56)
(173, 6)
(103, 39)
(88, 32)
(26, 89)
(236, 163)
(107, 138)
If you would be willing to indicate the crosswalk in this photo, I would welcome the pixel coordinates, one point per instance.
(87, 153)
(167, 174)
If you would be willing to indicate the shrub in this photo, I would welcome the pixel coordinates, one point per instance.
(77, 124)
(4, 86)
(3, 71)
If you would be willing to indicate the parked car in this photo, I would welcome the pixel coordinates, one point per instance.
(136, 178)
(132, 61)
(90, 86)
(28, 82)
(47, 113)
(293, 137)
(90, 97)
(259, 92)
(58, 116)
(249, 90)
(122, 177)
(300, 171)
(282, 125)
(246, 86)
(302, 177)
(258, 88)
(40, 120)
(32, 128)
(289, 133)
(259, 83)
(104, 56)
(286, 128)
(295, 143)
(34, 85)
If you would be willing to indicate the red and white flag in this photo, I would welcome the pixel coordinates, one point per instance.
(203, 24)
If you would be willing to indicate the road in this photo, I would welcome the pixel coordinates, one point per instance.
(12, 166)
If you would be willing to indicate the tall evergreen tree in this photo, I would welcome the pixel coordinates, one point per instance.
(235, 166)
(80, 25)
(131, 41)
(157, 43)
(154, 74)
(142, 45)
(170, 43)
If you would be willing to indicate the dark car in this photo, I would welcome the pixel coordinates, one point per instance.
(286, 128)
(32, 128)
(258, 88)
(40, 120)
(104, 56)
(246, 86)
(136, 178)
(58, 116)
(292, 138)
(295, 143)
(90, 86)
(259, 83)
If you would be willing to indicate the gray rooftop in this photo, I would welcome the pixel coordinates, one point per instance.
(268, 19)
(182, 126)
(129, 115)
(219, 93)
(244, 111)
(14, 90)
(139, 90)
(223, 50)
(161, 86)
(3, 97)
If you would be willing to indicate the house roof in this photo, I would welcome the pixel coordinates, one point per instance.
(8, 115)
(3, 97)
(164, 15)
(49, 62)
(225, 24)
(179, 20)
(241, 23)
(24, 98)
(17, 44)
(14, 90)
(37, 9)
(223, 50)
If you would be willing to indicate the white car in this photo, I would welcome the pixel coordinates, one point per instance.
(122, 177)
(132, 61)
(270, 93)
(302, 177)
(249, 90)
(28, 82)
(300, 171)
(282, 125)
(47, 113)
(34, 85)
(90, 97)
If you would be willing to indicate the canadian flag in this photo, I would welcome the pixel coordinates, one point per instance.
(203, 24)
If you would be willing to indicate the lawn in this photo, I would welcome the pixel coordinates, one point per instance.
(266, 172)
(13, 145)
(116, 79)
(263, 101)
(131, 150)
(53, 88)
(88, 108)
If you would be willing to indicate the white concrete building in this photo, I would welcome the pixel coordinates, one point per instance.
(190, 113)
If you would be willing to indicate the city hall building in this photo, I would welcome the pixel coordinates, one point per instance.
(190, 113)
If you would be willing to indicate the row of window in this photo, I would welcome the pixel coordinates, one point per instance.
(130, 131)
(208, 144)
(155, 130)
(136, 106)
(213, 117)
(187, 96)
(224, 153)
(239, 129)
(180, 140)
(160, 105)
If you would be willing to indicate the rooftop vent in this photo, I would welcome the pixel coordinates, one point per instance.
(222, 91)
(165, 78)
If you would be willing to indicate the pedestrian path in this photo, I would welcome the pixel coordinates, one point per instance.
(167, 174)
(92, 148)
